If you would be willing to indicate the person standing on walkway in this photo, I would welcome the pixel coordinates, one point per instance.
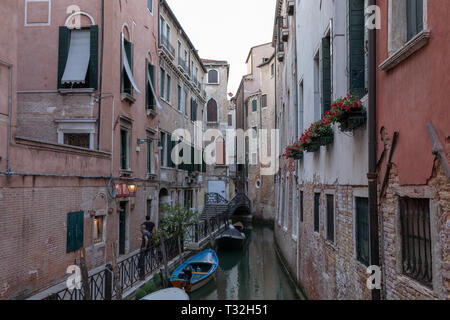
(145, 249)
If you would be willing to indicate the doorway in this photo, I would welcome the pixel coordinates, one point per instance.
(217, 187)
(123, 228)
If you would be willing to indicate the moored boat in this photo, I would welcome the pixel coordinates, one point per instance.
(171, 294)
(230, 239)
(196, 271)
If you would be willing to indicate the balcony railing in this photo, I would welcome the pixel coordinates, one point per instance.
(183, 65)
(166, 44)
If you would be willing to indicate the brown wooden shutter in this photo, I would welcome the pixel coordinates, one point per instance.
(212, 111)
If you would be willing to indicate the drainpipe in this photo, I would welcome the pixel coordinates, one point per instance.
(100, 87)
(8, 146)
(372, 175)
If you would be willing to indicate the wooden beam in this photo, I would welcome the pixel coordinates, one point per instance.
(438, 150)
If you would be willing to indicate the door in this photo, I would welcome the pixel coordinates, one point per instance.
(217, 187)
(122, 227)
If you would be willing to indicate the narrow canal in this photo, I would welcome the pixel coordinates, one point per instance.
(253, 273)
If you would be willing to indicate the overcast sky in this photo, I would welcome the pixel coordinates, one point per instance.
(226, 30)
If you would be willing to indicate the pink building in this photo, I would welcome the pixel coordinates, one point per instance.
(84, 120)
(413, 122)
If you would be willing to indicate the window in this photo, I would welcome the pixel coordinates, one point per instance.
(357, 52)
(362, 230)
(193, 109)
(192, 69)
(98, 229)
(81, 140)
(230, 120)
(301, 207)
(162, 79)
(414, 17)
(330, 218)
(254, 132)
(150, 209)
(295, 212)
(326, 74)
(316, 87)
(164, 150)
(124, 149)
(416, 239)
(168, 88)
(213, 77)
(77, 132)
(186, 99)
(317, 212)
(150, 5)
(78, 58)
(196, 76)
(127, 79)
(180, 90)
(264, 100)
(150, 95)
(254, 105)
(150, 156)
(212, 111)
(220, 152)
(180, 53)
(75, 231)
(272, 69)
(286, 204)
(188, 197)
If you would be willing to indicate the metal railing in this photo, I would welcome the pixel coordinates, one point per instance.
(214, 198)
(241, 200)
(164, 41)
(133, 269)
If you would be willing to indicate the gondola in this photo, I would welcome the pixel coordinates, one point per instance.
(230, 239)
(196, 271)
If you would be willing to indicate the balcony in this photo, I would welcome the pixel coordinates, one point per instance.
(165, 44)
(183, 65)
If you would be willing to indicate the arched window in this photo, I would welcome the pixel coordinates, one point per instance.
(212, 111)
(213, 77)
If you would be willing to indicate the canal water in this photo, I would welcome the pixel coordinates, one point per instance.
(253, 273)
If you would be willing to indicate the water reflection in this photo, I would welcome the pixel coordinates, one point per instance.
(253, 273)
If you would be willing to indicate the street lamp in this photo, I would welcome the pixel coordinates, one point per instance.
(142, 141)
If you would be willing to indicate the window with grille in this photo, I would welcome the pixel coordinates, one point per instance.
(124, 149)
(316, 212)
(416, 239)
(362, 230)
(81, 140)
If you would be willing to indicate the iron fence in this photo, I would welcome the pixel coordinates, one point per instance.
(138, 266)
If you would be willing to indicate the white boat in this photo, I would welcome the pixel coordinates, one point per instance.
(170, 294)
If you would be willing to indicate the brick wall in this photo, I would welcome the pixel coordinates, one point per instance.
(33, 229)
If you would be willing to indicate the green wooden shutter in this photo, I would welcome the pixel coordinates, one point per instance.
(75, 231)
(128, 88)
(326, 75)
(254, 105)
(63, 53)
(356, 47)
(317, 212)
(93, 62)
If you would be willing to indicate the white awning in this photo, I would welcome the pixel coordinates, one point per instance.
(78, 58)
(153, 91)
(126, 64)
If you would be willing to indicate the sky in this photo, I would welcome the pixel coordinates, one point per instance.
(226, 30)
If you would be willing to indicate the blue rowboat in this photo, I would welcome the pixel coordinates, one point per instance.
(196, 271)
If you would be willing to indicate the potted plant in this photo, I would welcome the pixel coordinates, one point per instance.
(319, 134)
(295, 152)
(349, 112)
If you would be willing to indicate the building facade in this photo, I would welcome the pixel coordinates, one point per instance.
(221, 117)
(324, 220)
(89, 130)
(182, 92)
(413, 149)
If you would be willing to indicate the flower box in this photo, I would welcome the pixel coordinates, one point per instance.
(349, 112)
(353, 120)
